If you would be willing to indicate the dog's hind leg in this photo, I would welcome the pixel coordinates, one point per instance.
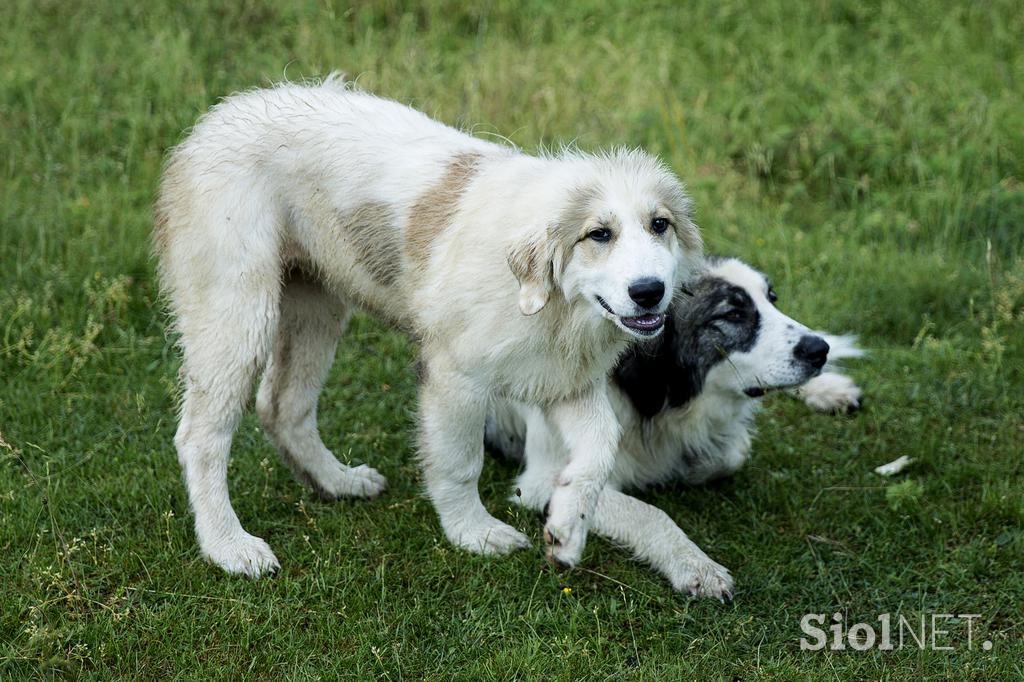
(452, 413)
(311, 322)
(220, 266)
(226, 330)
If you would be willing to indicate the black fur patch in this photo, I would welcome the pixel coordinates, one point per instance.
(716, 319)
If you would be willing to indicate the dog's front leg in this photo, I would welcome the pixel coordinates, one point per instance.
(653, 537)
(591, 433)
(453, 408)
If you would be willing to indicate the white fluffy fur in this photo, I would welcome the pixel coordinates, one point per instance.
(286, 208)
(718, 423)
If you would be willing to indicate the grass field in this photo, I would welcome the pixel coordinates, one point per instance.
(869, 156)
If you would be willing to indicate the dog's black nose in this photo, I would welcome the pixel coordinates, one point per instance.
(813, 350)
(647, 292)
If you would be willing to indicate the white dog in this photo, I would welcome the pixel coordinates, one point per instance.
(686, 405)
(521, 277)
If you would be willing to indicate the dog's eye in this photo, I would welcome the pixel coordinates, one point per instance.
(659, 225)
(733, 316)
(601, 234)
(772, 296)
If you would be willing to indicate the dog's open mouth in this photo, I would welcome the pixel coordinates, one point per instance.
(642, 325)
(645, 323)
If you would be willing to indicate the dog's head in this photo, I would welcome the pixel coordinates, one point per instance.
(622, 242)
(725, 335)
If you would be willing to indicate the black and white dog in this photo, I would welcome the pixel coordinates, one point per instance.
(687, 404)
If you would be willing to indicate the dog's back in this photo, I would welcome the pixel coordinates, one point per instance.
(256, 185)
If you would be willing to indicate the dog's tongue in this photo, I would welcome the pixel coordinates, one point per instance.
(644, 322)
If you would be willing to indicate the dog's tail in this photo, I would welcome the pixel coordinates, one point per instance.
(841, 347)
(336, 79)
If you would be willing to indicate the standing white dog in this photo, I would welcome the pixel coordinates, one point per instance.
(521, 277)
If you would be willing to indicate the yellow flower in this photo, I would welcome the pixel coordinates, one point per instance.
(566, 590)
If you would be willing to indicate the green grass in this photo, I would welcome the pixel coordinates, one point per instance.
(869, 156)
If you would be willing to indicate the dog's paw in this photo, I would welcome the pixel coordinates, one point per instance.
(242, 554)
(701, 577)
(487, 536)
(564, 544)
(360, 481)
(831, 392)
(565, 532)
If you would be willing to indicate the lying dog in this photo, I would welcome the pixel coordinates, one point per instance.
(522, 277)
(686, 404)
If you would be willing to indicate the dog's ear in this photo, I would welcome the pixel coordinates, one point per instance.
(532, 263)
(688, 234)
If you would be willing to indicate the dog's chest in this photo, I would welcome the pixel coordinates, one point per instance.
(688, 444)
(543, 374)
